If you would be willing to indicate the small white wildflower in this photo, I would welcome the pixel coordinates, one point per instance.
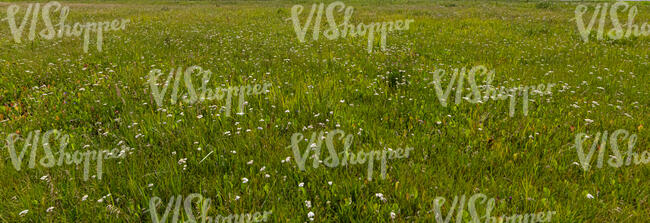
(380, 196)
(301, 184)
(244, 180)
(23, 213)
(50, 209)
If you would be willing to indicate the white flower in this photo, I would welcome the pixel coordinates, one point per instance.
(244, 180)
(250, 162)
(50, 209)
(23, 213)
(590, 196)
(237, 197)
(84, 197)
(588, 120)
(329, 182)
(112, 209)
(150, 185)
(380, 196)
(311, 215)
(308, 204)
(392, 215)
(263, 168)
(301, 184)
(267, 175)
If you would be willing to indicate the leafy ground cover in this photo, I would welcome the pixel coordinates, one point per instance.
(103, 100)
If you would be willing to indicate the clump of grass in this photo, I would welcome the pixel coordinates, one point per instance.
(449, 5)
(544, 5)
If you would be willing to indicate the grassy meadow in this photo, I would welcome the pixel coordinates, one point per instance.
(103, 100)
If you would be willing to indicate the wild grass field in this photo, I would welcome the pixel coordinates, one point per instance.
(385, 99)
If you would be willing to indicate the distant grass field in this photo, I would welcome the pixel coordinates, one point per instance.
(384, 98)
